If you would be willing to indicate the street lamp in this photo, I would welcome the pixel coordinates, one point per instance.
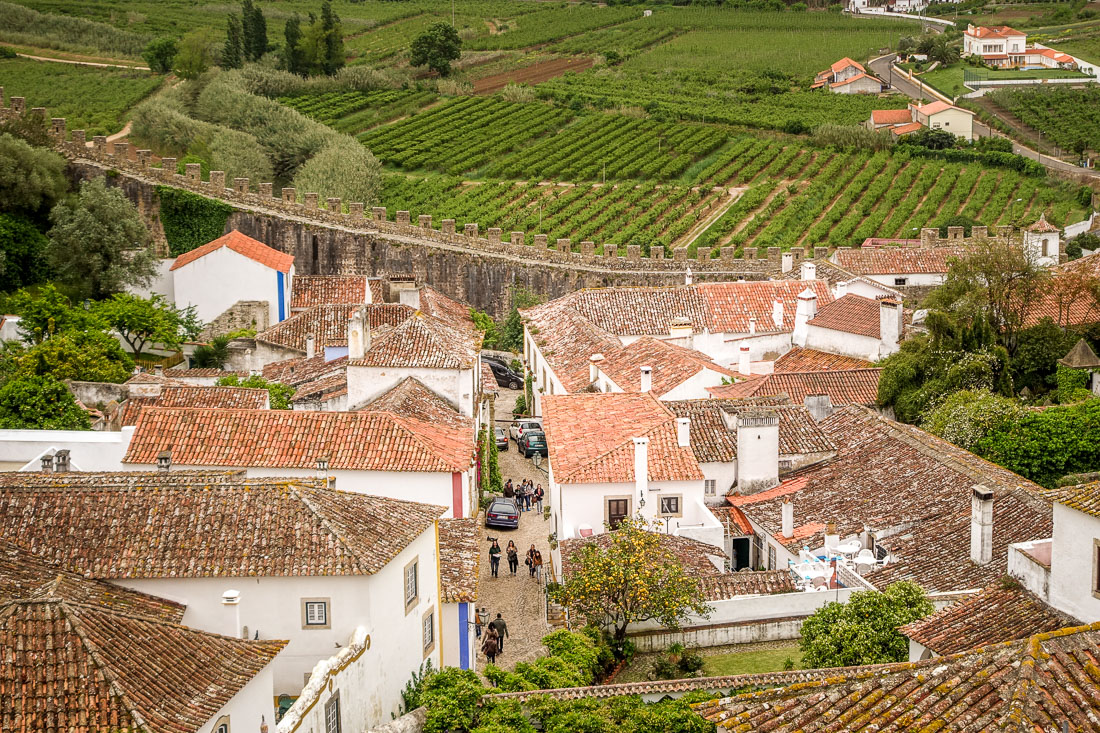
(481, 617)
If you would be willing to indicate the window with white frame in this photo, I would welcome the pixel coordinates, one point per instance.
(710, 487)
(670, 506)
(332, 713)
(412, 583)
(427, 631)
(771, 558)
(222, 725)
(315, 613)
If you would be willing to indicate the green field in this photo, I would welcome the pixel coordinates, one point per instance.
(92, 99)
(950, 80)
(1069, 117)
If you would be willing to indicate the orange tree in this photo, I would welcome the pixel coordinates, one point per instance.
(631, 578)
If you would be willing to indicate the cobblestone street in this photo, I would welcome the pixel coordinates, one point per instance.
(519, 599)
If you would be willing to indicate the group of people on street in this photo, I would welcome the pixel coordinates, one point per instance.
(526, 494)
(494, 639)
(533, 560)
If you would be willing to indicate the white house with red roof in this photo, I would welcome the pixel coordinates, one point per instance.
(1043, 242)
(940, 115)
(855, 326)
(998, 45)
(233, 268)
(847, 77)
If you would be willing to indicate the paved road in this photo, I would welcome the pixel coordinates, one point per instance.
(882, 65)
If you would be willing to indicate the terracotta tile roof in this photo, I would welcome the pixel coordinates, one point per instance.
(328, 324)
(853, 79)
(1070, 295)
(448, 310)
(412, 399)
(310, 290)
(906, 129)
(936, 107)
(733, 518)
(243, 245)
(229, 398)
(581, 455)
(423, 341)
(748, 583)
(301, 370)
(566, 340)
(888, 476)
(844, 63)
(357, 441)
(1042, 225)
(155, 527)
(993, 31)
(150, 378)
(1035, 684)
(850, 314)
(130, 409)
(713, 440)
(672, 365)
(459, 558)
(81, 668)
(891, 116)
(488, 381)
(25, 576)
(322, 389)
(1084, 497)
(181, 374)
(800, 359)
(890, 260)
(731, 305)
(1004, 611)
(692, 554)
(843, 386)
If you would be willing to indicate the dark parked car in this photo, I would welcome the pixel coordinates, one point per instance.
(504, 375)
(532, 442)
(501, 438)
(502, 513)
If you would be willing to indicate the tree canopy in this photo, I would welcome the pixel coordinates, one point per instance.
(31, 178)
(40, 403)
(142, 321)
(160, 54)
(436, 48)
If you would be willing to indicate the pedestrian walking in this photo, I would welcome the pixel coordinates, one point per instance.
(538, 497)
(537, 562)
(528, 494)
(494, 557)
(530, 561)
(491, 645)
(500, 628)
(508, 490)
(513, 557)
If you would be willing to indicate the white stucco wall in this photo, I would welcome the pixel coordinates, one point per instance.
(729, 351)
(162, 283)
(219, 279)
(695, 388)
(250, 708)
(955, 121)
(1072, 563)
(457, 386)
(544, 381)
(88, 450)
(842, 342)
(724, 475)
(456, 633)
(911, 278)
(1032, 574)
(866, 85)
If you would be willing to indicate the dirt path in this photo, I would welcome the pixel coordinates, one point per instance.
(531, 74)
(82, 63)
(697, 231)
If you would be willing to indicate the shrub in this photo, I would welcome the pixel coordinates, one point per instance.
(968, 415)
(344, 169)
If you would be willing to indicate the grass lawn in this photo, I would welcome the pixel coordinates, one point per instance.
(949, 80)
(764, 660)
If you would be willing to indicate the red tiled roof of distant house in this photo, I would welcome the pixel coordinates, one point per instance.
(993, 31)
(800, 359)
(322, 389)
(734, 518)
(423, 341)
(713, 442)
(731, 305)
(582, 455)
(229, 398)
(459, 557)
(691, 554)
(1004, 611)
(149, 378)
(891, 116)
(1083, 497)
(844, 63)
(843, 386)
(411, 398)
(205, 372)
(1069, 298)
(205, 525)
(672, 365)
(850, 314)
(24, 575)
(448, 310)
(364, 441)
(311, 290)
(130, 409)
(1034, 684)
(566, 340)
(74, 667)
(301, 370)
(751, 583)
(242, 245)
(852, 79)
(906, 129)
(1042, 225)
(488, 379)
(328, 324)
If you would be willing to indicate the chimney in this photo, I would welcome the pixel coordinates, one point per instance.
(981, 525)
(809, 271)
(787, 262)
(788, 517)
(356, 338)
(743, 366)
(158, 370)
(832, 536)
(231, 599)
(752, 326)
(61, 461)
(410, 297)
(804, 313)
(47, 463)
(164, 461)
(889, 318)
(777, 313)
(757, 450)
(593, 367)
(647, 378)
(311, 348)
(683, 432)
(688, 277)
(641, 468)
(820, 406)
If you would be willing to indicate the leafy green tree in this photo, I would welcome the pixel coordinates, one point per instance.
(1087, 241)
(233, 50)
(48, 312)
(490, 332)
(30, 127)
(195, 54)
(98, 243)
(292, 38)
(943, 50)
(1038, 349)
(31, 179)
(254, 31)
(436, 48)
(1045, 446)
(280, 393)
(40, 403)
(967, 416)
(511, 336)
(212, 355)
(865, 629)
(22, 253)
(344, 169)
(88, 356)
(333, 33)
(160, 54)
(635, 578)
(933, 139)
(143, 321)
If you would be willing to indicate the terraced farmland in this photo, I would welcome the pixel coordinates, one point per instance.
(352, 112)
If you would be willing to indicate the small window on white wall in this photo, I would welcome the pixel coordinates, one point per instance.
(710, 487)
(427, 631)
(315, 613)
(222, 725)
(412, 584)
(332, 713)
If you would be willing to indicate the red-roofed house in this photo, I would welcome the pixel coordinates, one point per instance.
(940, 115)
(232, 268)
(998, 45)
(855, 326)
(847, 77)
(889, 117)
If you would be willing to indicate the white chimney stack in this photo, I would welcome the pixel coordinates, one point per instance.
(757, 450)
(787, 262)
(641, 468)
(752, 326)
(688, 276)
(804, 313)
(356, 337)
(788, 517)
(981, 525)
(409, 297)
(841, 290)
(647, 378)
(809, 271)
(777, 313)
(743, 363)
(594, 367)
(231, 599)
(683, 432)
(890, 317)
(311, 347)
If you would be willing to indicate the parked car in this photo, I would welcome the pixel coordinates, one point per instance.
(502, 513)
(501, 438)
(532, 442)
(505, 375)
(515, 431)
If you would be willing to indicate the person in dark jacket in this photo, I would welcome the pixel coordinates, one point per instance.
(494, 557)
(513, 557)
(491, 645)
(501, 630)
